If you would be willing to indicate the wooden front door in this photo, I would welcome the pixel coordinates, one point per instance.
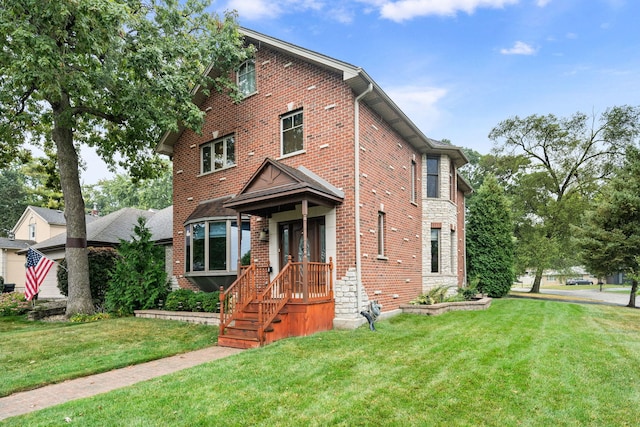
(291, 241)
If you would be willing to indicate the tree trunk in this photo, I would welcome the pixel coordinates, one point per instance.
(79, 296)
(632, 295)
(535, 289)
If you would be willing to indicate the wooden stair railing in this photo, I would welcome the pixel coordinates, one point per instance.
(273, 298)
(236, 298)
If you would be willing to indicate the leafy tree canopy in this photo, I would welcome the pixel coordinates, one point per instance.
(551, 168)
(112, 74)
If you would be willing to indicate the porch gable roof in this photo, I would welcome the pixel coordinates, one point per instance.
(276, 187)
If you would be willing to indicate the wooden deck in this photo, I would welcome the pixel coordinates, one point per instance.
(297, 302)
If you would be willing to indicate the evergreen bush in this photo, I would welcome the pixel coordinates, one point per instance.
(139, 280)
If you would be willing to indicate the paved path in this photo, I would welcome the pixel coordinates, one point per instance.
(33, 400)
(604, 297)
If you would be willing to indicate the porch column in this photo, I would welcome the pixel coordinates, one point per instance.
(239, 224)
(305, 255)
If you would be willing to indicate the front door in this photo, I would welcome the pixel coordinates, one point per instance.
(291, 241)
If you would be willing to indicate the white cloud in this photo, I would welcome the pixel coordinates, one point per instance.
(419, 103)
(542, 3)
(519, 48)
(403, 10)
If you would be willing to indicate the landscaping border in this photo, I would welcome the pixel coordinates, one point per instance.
(202, 318)
(444, 307)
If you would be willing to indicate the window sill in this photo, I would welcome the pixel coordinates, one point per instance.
(382, 258)
(215, 171)
(295, 153)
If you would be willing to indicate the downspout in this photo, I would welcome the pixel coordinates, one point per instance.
(357, 195)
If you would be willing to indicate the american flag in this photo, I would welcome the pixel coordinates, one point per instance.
(38, 266)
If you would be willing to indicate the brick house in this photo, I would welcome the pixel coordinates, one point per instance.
(316, 170)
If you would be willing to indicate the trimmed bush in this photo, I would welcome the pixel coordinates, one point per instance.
(188, 300)
(101, 262)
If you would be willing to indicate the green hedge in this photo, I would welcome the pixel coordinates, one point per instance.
(188, 300)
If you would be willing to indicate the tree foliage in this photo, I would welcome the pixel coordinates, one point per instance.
(112, 74)
(110, 195)
(490, 254)
(14, 198)
(610, 236)
(139, 280)
(551, 168)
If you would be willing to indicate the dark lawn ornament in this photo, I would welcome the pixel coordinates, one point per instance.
(372, 313)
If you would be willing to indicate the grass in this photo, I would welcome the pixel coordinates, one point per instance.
(522, 362)
(36, 353)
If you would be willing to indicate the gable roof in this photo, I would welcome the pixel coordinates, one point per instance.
(358, 80)
(6, 243)
(104, 231)
(161, 225)
(276, 186)
(50, 216)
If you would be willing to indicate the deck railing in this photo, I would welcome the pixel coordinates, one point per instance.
(238, 296)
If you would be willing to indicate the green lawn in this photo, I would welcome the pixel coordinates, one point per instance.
(522, 362)
(37, 353)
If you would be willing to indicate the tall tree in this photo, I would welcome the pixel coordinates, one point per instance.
(490, 240)
(610, 236)
(112, 74)
(14, 198)
(552, 166)
(110, 195)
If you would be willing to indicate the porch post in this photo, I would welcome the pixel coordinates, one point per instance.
(305, 255)
(239, 224)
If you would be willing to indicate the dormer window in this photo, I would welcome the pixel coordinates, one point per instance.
(246, 77)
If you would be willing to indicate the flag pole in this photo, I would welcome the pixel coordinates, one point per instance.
(41, 254)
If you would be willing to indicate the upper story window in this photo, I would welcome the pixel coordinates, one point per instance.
(246, 76)
(414, 180)
(32, 231)
(452, 182)
(218, 154)
(292, 135)
(433, 176)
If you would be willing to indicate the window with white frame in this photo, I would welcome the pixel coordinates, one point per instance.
(246, 77)
(218, 154)
(292, 134)
(381, 234)
(212, 246)
(32, 231)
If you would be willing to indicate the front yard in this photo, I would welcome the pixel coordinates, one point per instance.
(522, 362)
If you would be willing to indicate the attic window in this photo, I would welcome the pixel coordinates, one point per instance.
(246, 77)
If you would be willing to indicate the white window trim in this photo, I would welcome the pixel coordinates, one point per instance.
(212, 145)
(282, 119)
(255, 83)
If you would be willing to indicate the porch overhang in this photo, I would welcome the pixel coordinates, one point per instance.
(276, 187)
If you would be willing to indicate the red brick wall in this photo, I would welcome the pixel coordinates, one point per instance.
(385, 185)
(283, 83)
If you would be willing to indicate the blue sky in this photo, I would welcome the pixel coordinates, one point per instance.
(459, 67)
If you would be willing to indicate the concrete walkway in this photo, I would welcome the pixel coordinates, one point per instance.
(610, 296)
(55, 394)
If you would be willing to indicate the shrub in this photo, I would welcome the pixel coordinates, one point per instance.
(433, 296)
(13, 304)
(101, 262)
(139, 280)
(188, 300)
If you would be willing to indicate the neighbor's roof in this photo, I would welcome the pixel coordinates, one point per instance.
(104, 231)
(161, 225)
(6, 243)
(50, 216)
(358, 80)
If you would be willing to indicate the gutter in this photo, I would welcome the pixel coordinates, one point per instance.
(357, 194)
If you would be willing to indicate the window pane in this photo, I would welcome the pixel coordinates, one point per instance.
(435, 247)
(381, 233)
(198, 247)
(206, 158)
(246, 243)
(247, 78)
(432, 186)
(187, 248)
(433, 170)
(231, 151)
(292, 134)
(218, 245)
(219, 155)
